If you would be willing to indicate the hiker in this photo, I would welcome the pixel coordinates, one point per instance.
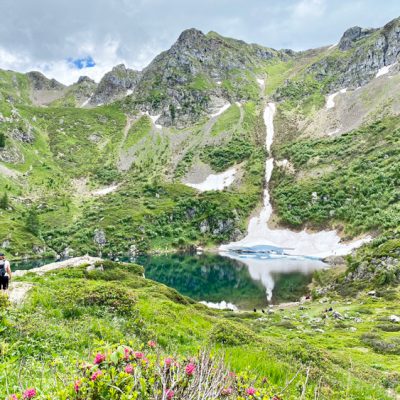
(5, 272)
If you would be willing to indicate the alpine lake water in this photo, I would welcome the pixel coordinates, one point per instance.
(246, 280)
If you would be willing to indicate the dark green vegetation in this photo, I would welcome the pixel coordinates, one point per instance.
(66, 154)
(355, 177)
(71, 313)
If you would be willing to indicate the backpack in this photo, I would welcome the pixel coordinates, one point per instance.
(2, 267)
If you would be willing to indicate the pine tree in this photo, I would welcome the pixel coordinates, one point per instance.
(2, 141)
(32, 222)
(4, 201)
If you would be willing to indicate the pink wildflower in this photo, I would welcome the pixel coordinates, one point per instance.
(190, 368)
(99, 358)
(77, 384)
(13, 397)
(129, 369)
(170, 394)
(168, 362)
(152, 344)
(232, 374)
(29, 393)
(127, 352)
(139, 355)
(95, 375)
(250, 391)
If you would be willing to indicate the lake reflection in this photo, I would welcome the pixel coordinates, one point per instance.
(246, 281)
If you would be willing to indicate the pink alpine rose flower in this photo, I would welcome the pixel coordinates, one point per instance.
(152, 344)
(129, 369)
(29, 393)
(99, 358)
(169, 393)
(127, 353)
(77, 385)
(139, 355)
(13, 397)
(250, 391)
(168, 362)
(95, 375)
(190, 368)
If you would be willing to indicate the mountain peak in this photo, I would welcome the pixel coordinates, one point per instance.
(41, 82)
(352, 35)
(190, 35)
(85, 79)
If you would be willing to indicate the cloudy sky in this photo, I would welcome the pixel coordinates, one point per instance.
(68, 38)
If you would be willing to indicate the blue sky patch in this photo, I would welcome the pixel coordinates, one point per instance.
(84, 62)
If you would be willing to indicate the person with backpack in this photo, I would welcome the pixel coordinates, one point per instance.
(5, 272)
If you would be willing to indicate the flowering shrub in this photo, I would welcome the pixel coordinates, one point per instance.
(124, 374)
(128, 374)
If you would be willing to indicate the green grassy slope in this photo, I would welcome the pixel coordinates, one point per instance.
(73, 312)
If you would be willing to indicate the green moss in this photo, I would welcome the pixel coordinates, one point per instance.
(227, 121)
(368, 154)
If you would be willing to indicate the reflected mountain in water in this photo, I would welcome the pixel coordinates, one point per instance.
(245, 280)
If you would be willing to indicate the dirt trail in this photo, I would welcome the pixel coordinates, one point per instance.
(19, 290)
(10, 173)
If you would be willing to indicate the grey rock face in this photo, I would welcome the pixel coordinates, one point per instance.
(40, 82)
(352, 35)
(115, 85)
(204, 226)
(180, 82)
(23, 135)
(11, 155)
(368, 50)
(85, 80)
(99, 237)
(377, 267)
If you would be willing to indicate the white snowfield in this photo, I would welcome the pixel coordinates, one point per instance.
(261, 83)
(154, 118)
(223, 305)
(104, 191)
(85, 103)
(216, 181)
(221, 110)
(330, 100)
(319, 244)
(129, 92)
(384, 70)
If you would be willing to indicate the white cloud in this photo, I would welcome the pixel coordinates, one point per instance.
(309, 8)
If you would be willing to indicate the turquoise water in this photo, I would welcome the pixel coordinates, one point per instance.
(247, 281)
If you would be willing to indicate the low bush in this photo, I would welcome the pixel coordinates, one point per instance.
(379, 345)
(231, 334)
(122, 373)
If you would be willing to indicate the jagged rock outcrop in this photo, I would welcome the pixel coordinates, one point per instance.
(40, 82)
(187, 81)
(85, 80)
(362, 53)
(117, 83)
(352, 35)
